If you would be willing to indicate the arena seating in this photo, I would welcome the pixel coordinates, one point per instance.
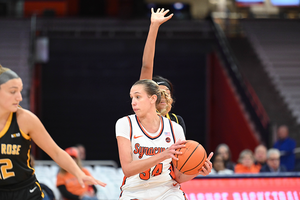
(106, 171)
(277, 43)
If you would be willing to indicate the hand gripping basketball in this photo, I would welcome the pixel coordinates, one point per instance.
(192, 159)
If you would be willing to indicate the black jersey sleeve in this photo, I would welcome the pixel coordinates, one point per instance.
(66, 194)
(181, 122)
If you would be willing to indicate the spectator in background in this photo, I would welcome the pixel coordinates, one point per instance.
(260, 155)
(69, 186)
(246, 163)
(224, 150)
(286, 146)
(273, 162)
(81, 151)
(219, 165)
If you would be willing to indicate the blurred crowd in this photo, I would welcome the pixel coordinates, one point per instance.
(279, 158)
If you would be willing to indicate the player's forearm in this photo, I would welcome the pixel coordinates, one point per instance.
(181, 178)
(67, 163)
(139, 166)
(149, 51)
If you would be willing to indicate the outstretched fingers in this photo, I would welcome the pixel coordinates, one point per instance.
(206, 169)
(90, 181)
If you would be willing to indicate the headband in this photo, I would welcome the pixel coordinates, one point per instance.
(164, 83)
(7, 75)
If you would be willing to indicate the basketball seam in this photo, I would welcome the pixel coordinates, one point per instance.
(197, 165)
(189, 157)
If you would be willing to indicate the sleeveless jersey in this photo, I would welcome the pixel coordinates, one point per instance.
(15, 154)
(144, 146)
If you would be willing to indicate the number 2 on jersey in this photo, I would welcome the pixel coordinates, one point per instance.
(157, 170)
(6, 164)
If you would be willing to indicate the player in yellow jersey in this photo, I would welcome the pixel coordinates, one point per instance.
(18, 127)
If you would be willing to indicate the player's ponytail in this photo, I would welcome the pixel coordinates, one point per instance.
(169, 102)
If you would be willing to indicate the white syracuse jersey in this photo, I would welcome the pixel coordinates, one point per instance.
(145, 145)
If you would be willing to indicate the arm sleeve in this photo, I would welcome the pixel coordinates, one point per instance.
(181, 122)
(66, 194)
(123, 128)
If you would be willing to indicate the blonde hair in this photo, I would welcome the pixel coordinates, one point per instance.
(169, 102)
(3, 69)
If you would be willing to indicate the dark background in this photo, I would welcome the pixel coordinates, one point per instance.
(86, 83)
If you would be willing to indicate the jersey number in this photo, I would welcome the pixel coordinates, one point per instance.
(155, 172)
(6, 164)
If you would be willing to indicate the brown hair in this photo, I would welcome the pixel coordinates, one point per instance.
(151, 88)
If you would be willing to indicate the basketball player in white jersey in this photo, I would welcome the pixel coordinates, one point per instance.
(147, 143)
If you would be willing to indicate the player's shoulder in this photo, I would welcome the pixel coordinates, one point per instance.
(25, 115)
(124, 119)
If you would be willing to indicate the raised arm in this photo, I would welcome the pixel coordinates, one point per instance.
(157, 18)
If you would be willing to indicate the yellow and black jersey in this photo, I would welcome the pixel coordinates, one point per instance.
(15, 154)
(178, 119)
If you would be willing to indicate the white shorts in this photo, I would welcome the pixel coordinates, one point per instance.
(161, 192)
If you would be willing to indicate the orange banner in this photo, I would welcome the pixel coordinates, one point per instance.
(243, 189)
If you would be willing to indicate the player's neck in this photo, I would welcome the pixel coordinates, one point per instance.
(3, 119)
(150, 122)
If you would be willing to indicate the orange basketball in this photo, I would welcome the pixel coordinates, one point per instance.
(192, 158)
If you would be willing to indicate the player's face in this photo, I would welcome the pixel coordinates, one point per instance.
(165, 88)
(10, 94)
(162, 104)
(141, 102)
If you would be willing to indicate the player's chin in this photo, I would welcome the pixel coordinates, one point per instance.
(14, 109)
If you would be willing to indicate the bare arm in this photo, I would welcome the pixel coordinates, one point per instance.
(206, 169)
(157, 18)
(131, 167)
(30, 124)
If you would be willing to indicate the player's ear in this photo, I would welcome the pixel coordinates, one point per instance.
(153, 98)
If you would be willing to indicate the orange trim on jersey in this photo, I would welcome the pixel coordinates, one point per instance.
(160, 132)
(172, 129)
(172, 172)
(27, 137)
(28, 160)
(7, 125)
(130, 127)
(40, 189)
(123, 183)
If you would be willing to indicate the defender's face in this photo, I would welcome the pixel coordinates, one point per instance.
(10, 94)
